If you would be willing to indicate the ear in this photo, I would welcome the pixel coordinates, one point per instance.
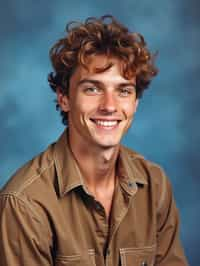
(63, 100)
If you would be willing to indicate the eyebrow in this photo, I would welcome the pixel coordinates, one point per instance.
(99, 83)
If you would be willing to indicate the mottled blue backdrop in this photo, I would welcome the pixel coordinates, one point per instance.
(166, 129)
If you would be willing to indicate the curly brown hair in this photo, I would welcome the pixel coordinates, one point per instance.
(100, 36)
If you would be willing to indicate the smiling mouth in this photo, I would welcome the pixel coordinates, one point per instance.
(108, 124)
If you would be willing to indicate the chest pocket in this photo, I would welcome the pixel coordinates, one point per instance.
(87, 259)
(138, 256)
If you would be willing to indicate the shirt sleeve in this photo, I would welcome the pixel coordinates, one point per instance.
(169, 249)
(23, 239)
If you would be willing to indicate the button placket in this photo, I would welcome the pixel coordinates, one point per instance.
(108, 252)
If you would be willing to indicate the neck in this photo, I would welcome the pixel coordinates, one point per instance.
(97, 164)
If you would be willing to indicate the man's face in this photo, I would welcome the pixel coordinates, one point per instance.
(100, 105)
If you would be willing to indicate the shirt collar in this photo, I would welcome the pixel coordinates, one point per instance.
(69, 175)
(129, 170)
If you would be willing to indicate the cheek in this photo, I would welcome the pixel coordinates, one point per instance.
(129, 109)
(82, 110)
(86, 104)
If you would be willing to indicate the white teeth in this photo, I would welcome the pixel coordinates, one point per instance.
(106, 123)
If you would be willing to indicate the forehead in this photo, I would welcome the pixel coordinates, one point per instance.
(101, 67)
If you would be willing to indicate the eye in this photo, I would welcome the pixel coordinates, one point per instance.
(126, 91)
(92, 90)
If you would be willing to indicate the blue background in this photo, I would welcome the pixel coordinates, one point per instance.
(166, 128)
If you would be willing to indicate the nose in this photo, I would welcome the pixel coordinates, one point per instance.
(108, 103)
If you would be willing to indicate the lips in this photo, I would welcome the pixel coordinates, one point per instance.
(106, 123)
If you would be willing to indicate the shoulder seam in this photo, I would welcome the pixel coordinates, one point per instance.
(33, 178)
(24, 202)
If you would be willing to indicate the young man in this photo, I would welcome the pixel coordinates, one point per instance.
(87, 200)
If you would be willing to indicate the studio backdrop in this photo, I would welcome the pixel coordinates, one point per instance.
(166, 128)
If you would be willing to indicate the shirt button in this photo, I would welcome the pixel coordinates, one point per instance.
(144, 263)
(98, 207)
(131, 184)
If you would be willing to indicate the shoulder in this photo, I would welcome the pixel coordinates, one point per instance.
(149, 172)
(25, 198)
(32, 177)
(153, 175)
(146, 167)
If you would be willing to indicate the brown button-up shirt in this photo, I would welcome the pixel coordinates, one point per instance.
(48, 217)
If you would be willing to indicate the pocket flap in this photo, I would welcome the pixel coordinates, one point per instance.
(144, 256)
(85, 259)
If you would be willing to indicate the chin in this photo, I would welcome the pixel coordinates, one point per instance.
(108, 144)
(106, 141)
